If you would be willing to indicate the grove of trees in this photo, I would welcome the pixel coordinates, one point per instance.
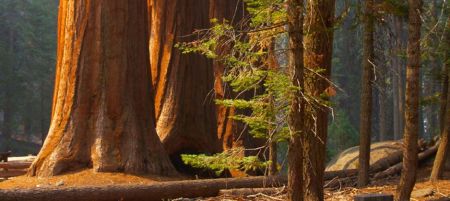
(256, 87)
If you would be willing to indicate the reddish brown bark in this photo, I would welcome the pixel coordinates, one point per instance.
(231, 133)
(318, 44)
(184, 99)
(101, 116)
(410, 160)
(296, 114)
(365, 125)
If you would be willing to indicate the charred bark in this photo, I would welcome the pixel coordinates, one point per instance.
(102, 108)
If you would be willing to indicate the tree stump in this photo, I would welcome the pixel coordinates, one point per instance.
(4, 156)
(374, 197)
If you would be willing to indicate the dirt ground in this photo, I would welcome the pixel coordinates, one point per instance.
(83, 178)
(423, 190)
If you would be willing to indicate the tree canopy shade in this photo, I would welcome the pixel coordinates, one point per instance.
(102, 107)
(184, 100)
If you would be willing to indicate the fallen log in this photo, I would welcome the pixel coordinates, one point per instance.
(15, 165)
(157, 192)
(386, 162)
(251, 191)
(341, 182)
(396, 169)
(12, 173)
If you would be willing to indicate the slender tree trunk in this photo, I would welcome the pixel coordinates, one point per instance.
(102, 110)
(318, 45)
(442, 154)
(366, 96)
(408, 177)
(397, 81)
(7, 102)
(296, 121)
(184, 102)
(272, 64)
(383, 113)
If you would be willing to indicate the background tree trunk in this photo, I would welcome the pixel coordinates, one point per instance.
(296, 116)
(397, 80)
(410, 162)
(102, 107)
(184, 99)
(8, 85)
(366, 95)
(318, 43)
(442, 153)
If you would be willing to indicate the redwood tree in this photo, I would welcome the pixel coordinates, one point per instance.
(296, 113)
(184, 97)
(102, 109)
(318, 44)
(231, 133)
(365, 119)
(411, 131)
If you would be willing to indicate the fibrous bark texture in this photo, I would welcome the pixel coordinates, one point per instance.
(365, 119)
(102, 109)
(442, 154)
(318, 43)
(184, 83)
(296, 113)
(231, 133)
(410, 161)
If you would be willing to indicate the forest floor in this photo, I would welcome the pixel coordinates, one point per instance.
(82, 178)
(423, 190)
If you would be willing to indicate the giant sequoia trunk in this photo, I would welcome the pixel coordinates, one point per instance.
(184, 83)
(365, 119)
(318, 44)
(102, 110)
(231, 133)
(410, 160)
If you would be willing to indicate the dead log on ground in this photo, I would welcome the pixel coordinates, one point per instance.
(157, 191)
(396, 169)
(12, 173)
(251, 191)
(15, 165)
